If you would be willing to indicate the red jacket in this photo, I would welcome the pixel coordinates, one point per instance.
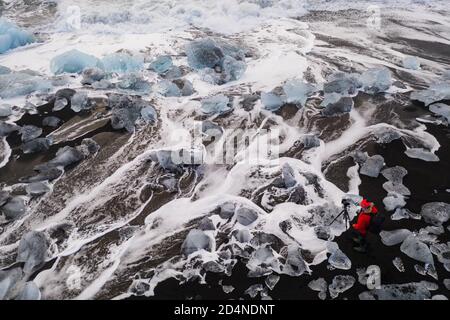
(363, 222)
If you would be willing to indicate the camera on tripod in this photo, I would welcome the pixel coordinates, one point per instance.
(346, 203)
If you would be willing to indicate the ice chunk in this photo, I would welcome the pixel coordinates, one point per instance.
(102, 84)
(394, 201)
(335, 105)
(310, 141)
(32, 250)
(422, 154)
(398, 263)
(319, 285)
(4, 197)
(271, 281)
(60, 103)
(29, 292)
(435, 93)
(204, 53)
(173, 73)
(196, 240)
(408, 291)
(135, 82)
(66, 156)
(73, 61)
(8, 281)
(261, 262)
(46, 173)
(149, 114)
(339, 259)
(396, 188)
(167, 88)
(376, 80)
(441, 109)
(288, 175)
(227, 210)
(30, 132)
(436, 213)
(51, 121)
(447, 283)
(5, 110)
(210, 129)
(439, 297)
(11, 36)
(80, 101)
(91, 75)
(227, 289)
(206, 224)
(216, 105)
(411, 63)
(372, 166)
(14, 208)
(392, 238)
(37, 188)
(246, 216)
(161, 64)
(232, 69)
(21, 84)
(403, 213)
(394, 174)
(295, 264)
(186, 87)
(253, 290)
(297, 91)
(126, 110)
(342, 83)
(386, 135)
(340, 284)
(7, 128)
(122, 62)
(242, 235)
(37, 145)
(271, 101)
(416, 250)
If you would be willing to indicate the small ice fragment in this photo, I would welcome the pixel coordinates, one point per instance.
(60, 103)
(167, 88)
(216, 105)
(73, 61)
(394, 201)
(416, 250)
(122, 62)
(408, 291)
(435, 93)
(32, 250)
(80, 101)
(319, 285)
(206, 224)
(411, 63)
(242, 235)
(340, 284)
(11, 36)
(342, 83)
(288, 175)
(37, 188)
(422, 154)
(398, 188)
(394, 174)
(253, 290)
(271, 101)
(376, 80)
(9, 279)
(295, 264)
(51, 121)
(227, 210)
(339, 259)
(21, 83)
(196, 240)
(14, 208)
(297, 91)
(149, 114)
(246, 216)
(66, 156)
(204, 53)
(30, 132)
(37, 145)
(386, 135)
(232, 69)
(441, 109)
(135, 82)
(398, 263)
(337, 107)
(403, 213)
(272, 280)
(436, 213)
(447, 283)
(392, 238)
(372, 166)
(227, 289)
(310, 141)
(91, 75)
(161, 64)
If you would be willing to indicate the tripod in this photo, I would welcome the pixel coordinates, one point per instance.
(346, 217)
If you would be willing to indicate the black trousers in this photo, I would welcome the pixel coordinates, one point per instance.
(361, 240)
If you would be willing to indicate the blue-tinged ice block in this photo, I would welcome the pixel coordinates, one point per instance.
(11, 36)
(73, 61)
(122, 62)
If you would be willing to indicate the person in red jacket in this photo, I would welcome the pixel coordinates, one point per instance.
(361, 226)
